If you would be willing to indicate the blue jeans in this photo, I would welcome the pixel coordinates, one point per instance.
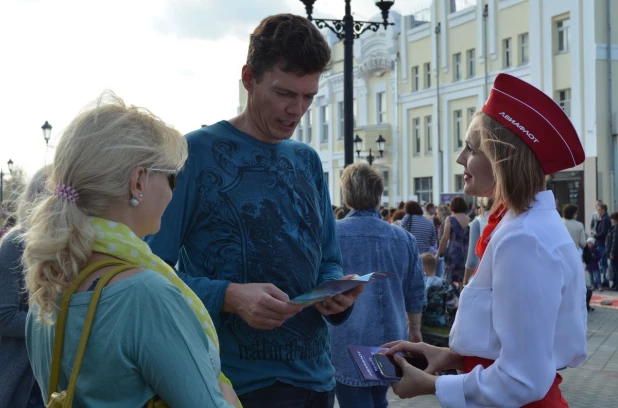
(595, 278)
(602, 262)
(366, 397)
(440, 268)
(281, 395)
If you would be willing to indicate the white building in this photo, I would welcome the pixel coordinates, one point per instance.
(560, 46)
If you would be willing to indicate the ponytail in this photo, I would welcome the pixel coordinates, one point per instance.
(58, 244)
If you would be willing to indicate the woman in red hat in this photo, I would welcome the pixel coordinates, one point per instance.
(523, 317)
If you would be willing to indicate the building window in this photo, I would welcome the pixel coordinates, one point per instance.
(457, 66)
(324, 120)
(385, 194)
(458, 129)
(423, 188)
(471, 112)
(427, 72)
(416, 125)
(563, 28)
(506, 53)
(459, 183)
(428, 135)
(299, 130)
(381, 107)
(309, 136)
(471, 57)
(564, 100)
(458, 5)
(415, 78)
(341, 115)
(523, 49)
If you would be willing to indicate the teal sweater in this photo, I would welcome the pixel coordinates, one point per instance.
(145, 341)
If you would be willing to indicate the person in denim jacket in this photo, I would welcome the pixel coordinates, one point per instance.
(388, 309)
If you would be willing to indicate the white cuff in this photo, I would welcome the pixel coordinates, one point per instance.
(450, 391)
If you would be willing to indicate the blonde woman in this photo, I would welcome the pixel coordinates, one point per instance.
(523, 317)
(112, 177)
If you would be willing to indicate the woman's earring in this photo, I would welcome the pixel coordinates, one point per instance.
(134, 202)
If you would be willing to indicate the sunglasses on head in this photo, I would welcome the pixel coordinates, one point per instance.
(171, 176)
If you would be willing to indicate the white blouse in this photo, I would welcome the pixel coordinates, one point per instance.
(525, 309)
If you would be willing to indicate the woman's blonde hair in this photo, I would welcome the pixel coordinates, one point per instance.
(96, 155)
(518, 174)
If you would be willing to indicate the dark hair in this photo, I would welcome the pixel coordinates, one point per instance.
(397, 215)
(569, 211)
(342, 212)
(290, 42)
(385, 213)
(604, 207)
(458, 205)
(401, 205)
(614, 216)
(429, 206)
(413, 208)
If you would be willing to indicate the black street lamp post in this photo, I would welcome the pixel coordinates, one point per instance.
(46, 132)
(10, 165)
(348, 29)
(358, 146)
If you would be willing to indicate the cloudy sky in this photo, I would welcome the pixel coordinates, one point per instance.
(179, 58)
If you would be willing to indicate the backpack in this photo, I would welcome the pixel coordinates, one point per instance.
(440, 309)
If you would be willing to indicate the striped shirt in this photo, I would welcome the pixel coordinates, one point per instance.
(423, 230)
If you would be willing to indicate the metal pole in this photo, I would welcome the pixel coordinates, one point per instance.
(612, 155)
(438, 119)
(370, 158)
(1, 186)
(486, 62)
(348, 85)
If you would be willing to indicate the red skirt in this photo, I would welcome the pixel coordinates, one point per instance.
(553, 398)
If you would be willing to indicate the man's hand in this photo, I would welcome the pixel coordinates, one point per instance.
(341, 302)
(262, 305)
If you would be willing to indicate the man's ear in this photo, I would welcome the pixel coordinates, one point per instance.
(247, 76)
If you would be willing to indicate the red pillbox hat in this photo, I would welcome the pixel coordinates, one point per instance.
(537, 120)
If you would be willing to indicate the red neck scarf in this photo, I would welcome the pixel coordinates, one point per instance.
(494, 219)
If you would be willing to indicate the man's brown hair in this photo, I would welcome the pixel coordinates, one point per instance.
(290, 42)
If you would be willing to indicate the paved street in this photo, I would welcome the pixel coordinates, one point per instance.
(594, 384)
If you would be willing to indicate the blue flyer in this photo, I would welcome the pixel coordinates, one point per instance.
(332, 288)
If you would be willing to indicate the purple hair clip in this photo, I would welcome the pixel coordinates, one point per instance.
(68, 192)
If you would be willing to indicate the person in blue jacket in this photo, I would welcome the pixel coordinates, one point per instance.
(251, 226)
